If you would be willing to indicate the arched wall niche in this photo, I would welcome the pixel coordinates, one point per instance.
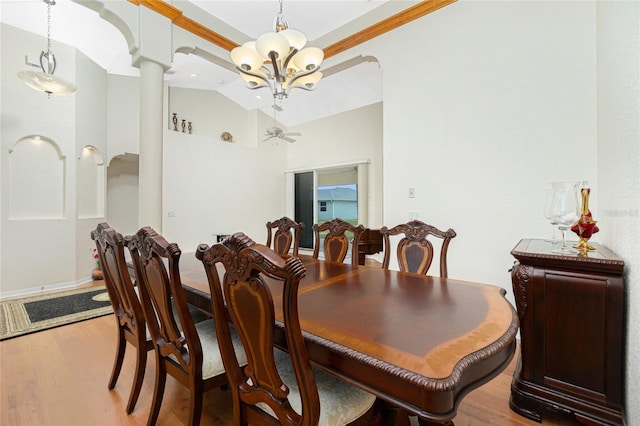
(122, 193)
(90, 183)
(36, 179)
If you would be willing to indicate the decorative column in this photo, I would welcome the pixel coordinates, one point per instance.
(150, 163)
(153, 56)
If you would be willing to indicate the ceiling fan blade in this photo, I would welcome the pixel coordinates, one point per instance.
(293, 134)
(288, 139)
(266, 139)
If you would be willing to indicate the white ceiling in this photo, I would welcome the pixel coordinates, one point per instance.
(359, 85)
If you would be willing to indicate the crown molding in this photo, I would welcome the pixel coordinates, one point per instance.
(412, 13)
(177, 18)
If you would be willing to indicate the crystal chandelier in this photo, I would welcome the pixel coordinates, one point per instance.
(279, 60)
(45, 81)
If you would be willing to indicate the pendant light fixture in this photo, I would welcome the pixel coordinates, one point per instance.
(45, 81)
(279, 60)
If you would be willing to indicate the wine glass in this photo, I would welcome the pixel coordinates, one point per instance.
(564, 210)
(548, 196)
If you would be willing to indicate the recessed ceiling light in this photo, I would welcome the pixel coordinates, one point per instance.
(193, 75)
(258, 97)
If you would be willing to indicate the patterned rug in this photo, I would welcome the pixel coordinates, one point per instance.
(37, 313)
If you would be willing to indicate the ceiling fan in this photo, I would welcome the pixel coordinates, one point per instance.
(277, 132)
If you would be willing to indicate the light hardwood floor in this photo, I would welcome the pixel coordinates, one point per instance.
(59, 377)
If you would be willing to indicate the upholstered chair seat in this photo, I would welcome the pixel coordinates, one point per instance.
(340, 403)
(211, 360)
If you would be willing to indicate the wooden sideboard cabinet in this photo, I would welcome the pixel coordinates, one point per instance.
(572, 328)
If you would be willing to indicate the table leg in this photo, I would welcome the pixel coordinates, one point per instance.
(392, 415)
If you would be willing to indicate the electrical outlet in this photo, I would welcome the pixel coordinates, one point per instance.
(412, 193)
(414, 214)
(171, 213)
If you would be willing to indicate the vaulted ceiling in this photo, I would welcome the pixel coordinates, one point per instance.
(334, 26)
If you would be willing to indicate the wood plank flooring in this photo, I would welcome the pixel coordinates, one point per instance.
(59, 377)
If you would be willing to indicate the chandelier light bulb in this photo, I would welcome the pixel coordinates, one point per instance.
(310, 80)
(296, 39)
(308, 58)
(255, 82)
(272, 42)
(246, 58)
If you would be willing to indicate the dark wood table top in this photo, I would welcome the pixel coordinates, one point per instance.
(419, 342)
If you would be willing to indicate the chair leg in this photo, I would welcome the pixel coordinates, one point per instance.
(117, 363)
(158, 392)
(239, 411)
(141, 365)
(195, 401)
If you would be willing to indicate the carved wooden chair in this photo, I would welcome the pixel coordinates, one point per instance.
(287, 232)
(275, 387)
(187, 351)
(336, 243)
(415, 252)
(126, 308)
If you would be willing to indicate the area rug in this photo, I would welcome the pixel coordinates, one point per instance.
(37, 313)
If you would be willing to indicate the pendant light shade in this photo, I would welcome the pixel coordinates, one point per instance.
(45, 81)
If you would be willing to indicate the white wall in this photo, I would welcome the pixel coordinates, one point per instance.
(91, 130)
(123, 112)
(213, 187)
(37, 252)
(211, 113)
(505, 104)
(618, 47)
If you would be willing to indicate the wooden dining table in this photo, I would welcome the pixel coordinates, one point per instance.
(418, 342)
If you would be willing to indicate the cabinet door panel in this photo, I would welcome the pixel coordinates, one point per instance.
(575, 330)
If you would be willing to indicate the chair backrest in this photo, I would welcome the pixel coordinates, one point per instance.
(250, 270)
(415, 252)
(156, 264)
(126, 305)
(287, 232)
(336, 243)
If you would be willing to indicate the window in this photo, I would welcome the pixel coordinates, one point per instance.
(322, 194)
